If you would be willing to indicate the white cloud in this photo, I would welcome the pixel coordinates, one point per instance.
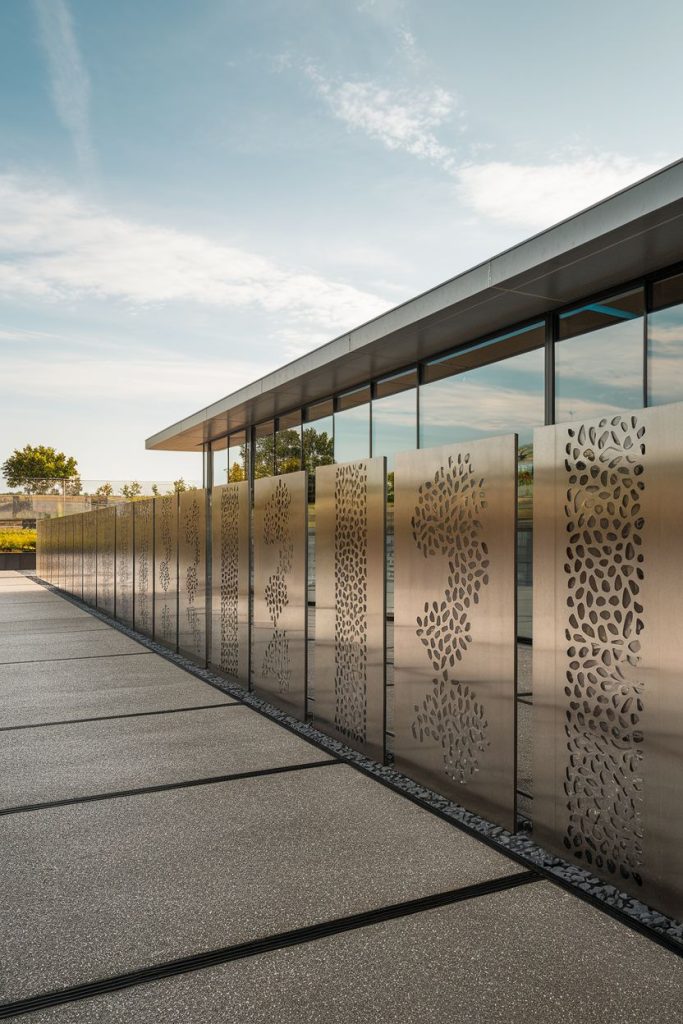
(538, 195)
(59, 247)
(401, 119)
(126, 377)
(68, 76)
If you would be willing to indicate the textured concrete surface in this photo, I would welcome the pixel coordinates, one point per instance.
(54, 624)
(106, 887)
(528, 956)
(51, 647)
(35, 692)
(55, 608)
(65, 761)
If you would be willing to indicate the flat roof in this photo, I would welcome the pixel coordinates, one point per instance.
(632, 233)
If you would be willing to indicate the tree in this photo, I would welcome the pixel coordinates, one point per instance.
(132, 490)
(103, 493)
(155, 490)
(179, 486)
(236, 473)
(74, 486)
(35, 468)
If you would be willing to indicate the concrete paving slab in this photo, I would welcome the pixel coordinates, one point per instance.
(465, 964)
(105, 887)
(31, 597)
(50, 647)
(16, 611)
(35, 692)
(66, 761)
(56, 624)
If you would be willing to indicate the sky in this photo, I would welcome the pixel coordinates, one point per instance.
(192, 194)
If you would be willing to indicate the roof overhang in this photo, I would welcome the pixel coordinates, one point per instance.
(633, 233)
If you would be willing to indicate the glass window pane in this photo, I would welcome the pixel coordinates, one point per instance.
(668, 292)
(288, 444)
(394, 424)
(599, 358)
(491, 350)
(352, 426)
(264, 450)
(499, 398)
(238, 459)
(665, 356)
(219, 454)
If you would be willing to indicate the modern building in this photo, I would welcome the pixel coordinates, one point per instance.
(528, 412)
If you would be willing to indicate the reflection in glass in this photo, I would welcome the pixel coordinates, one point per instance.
(264, 450)
(219, 455)
(238, 459)
(665, 343)
(394, 416)
(318, 441)
(288, 444)
(352, 426)
(599, 358)
(498, 398)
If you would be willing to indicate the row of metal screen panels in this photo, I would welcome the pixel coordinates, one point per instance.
(607, 698)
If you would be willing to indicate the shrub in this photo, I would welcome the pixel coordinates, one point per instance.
(17, 540)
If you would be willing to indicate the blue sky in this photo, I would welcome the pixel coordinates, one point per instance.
(192, 194)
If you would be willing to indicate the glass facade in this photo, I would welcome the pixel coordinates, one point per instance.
(495, 388)
(665, 342)
(394, 415)
(238, 457)
(352, 425)
(599, 357)
(288, 451)
(264, 449)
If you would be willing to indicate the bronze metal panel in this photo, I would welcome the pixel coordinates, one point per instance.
(230, 580)
(125, 548)
(192, 575)
(608, 659)
(350, 503)
(455, 512)
(280, 611)
(67, 541)
(40, 550)
(106, 559)
(90, 558)
(166, 570)
(143, 566)
(77, 521)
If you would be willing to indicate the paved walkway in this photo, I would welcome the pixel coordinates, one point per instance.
(155, 831)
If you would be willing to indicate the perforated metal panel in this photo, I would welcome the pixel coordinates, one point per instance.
(124, 562)
(67, 542)
(350, 603)
(192, 575)
(166, 570)
(230, 580)
(77, 521)
(608, 659)
(143, 566)
(280, 611)
(106, 559)
(454, 622)
(90, 558)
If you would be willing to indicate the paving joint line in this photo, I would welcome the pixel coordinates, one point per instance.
(267, 944)
(77, 657)
(518, 847)
(125, 714)
(164, 787)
